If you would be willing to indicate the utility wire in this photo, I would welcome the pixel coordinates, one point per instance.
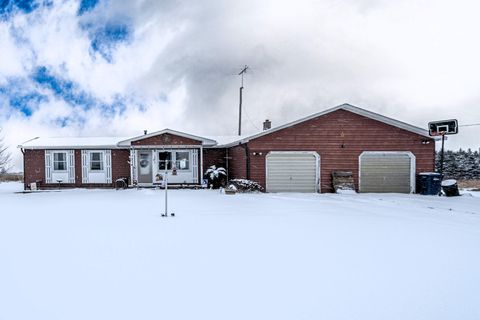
(249, 119)
(470, 125)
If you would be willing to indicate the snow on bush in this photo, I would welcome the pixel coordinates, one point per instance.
(244, 185)
(215, 176)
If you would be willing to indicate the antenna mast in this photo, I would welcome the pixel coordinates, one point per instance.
(244, 70)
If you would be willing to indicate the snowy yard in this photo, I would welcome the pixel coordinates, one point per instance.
(106, 254)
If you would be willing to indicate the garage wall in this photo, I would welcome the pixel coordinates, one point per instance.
(238, 162)
(339, 138)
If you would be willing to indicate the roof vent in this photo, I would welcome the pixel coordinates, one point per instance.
(267, 125)
(144, 131)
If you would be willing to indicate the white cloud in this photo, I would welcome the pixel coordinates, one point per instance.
(416, 61)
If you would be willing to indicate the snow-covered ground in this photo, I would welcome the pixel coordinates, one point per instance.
(106, 254)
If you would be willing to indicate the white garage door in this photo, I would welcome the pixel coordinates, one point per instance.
(292, 171)
(387, 172)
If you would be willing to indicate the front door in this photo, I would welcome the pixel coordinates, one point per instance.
(145, 167)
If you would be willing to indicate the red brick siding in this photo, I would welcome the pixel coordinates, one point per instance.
(34, 167)
(120, 164)
(166, 139)
(214, 156)
(78, 168)
(237, 163)
(326, 135)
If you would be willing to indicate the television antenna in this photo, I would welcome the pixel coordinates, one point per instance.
(242, 73)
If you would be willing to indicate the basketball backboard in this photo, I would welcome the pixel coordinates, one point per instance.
(443, 127)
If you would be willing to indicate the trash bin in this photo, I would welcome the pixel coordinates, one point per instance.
(450, 188)
(429, 183)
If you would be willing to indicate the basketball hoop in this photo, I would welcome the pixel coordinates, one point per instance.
(442, 128)
(438, 133)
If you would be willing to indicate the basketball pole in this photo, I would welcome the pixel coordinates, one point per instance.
(442, 154)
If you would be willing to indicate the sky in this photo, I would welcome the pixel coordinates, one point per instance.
(115, 68)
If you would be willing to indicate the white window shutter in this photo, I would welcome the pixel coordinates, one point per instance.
(108, 165)
(48, 166)
(195, 165)
(85, 165)
(71, 166)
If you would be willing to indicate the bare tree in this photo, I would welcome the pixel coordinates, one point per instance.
(4, 156)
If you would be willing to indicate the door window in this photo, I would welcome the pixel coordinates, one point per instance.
(165, 160)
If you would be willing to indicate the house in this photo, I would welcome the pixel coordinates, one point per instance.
(383, 155)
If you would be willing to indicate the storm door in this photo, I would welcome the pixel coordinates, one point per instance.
(145, 167)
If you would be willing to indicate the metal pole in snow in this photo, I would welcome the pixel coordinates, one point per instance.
(442, 155)
(244, 70)
(166, 191)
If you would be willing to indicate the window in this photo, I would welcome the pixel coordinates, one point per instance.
(182, 160)
(165, 160)
(60, 161)
(96, 161)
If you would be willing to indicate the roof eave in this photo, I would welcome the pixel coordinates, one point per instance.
(69, 147)
(205, 141)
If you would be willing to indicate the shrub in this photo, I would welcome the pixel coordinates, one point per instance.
(216, 176)
(244, 185)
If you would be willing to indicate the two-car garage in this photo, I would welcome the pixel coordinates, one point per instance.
(373, 152)
(379, 172)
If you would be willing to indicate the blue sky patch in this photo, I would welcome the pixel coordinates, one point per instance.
(87, 5)
(27, 103)
(20, 98)
(10, 7)
(62, 88)
(105, 39)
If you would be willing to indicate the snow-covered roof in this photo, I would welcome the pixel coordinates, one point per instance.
(223, 140)
(72, 142)
(348, 107)
(205, 141)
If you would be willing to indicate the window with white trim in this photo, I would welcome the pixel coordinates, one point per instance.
(60, 161)
(96, 161)
(178, 159)
(182, 160)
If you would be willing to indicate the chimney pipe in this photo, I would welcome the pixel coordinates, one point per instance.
(144, 131)
(267, 125)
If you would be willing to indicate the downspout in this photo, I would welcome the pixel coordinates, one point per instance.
(226, 164)
(24, 176)
(247, 159)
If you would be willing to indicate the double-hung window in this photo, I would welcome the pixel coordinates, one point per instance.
(96, 161)
(60, 161)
